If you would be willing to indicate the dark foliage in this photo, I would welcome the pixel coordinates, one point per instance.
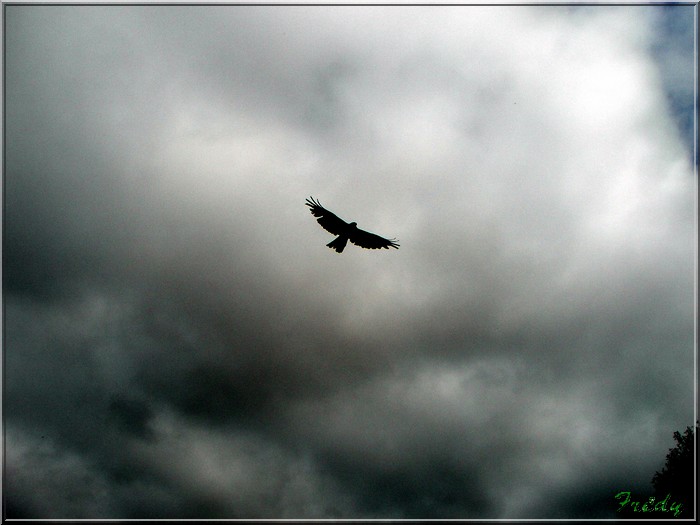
(674, 486)
(677, 475)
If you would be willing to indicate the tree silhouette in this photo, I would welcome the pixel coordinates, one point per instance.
(677, 476)
(674, 486)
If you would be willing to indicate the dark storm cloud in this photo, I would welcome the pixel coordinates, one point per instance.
(180, 343)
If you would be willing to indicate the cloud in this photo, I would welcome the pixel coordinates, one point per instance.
(179, 339)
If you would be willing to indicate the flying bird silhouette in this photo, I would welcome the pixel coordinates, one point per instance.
(346, 231)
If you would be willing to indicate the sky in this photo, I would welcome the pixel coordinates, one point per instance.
(178, 341)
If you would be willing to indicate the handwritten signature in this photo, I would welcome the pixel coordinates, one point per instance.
(648, 506)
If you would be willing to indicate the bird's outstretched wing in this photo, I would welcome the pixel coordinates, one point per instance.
(371, 240)
(329, 221)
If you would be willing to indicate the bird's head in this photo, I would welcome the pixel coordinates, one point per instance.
(353, 225)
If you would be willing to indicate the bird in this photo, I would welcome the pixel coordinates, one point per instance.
(346, 231)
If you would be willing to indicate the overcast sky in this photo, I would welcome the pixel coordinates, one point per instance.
(179, 341)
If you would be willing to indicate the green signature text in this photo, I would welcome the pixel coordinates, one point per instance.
(663, 505)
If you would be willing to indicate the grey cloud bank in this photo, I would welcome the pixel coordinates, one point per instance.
(179, 342)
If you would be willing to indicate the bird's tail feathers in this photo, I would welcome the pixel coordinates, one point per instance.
(338, 244)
